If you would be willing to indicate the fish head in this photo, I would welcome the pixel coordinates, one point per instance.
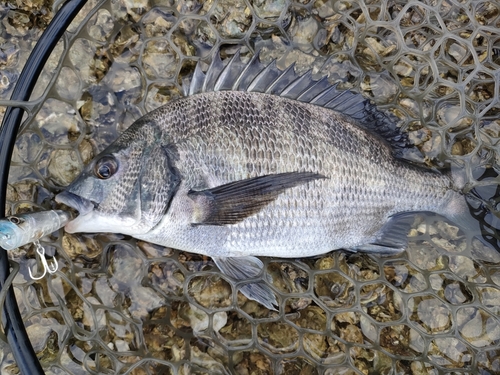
(126, 188)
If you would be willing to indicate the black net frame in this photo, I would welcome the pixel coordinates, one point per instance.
(15, 330)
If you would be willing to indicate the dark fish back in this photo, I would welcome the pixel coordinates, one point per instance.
(254, 76)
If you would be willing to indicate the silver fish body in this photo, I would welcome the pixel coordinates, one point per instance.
(212, 139)
(240, 174)
(19, 230)
(232, 136)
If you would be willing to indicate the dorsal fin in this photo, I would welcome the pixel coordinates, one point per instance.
(254, 76)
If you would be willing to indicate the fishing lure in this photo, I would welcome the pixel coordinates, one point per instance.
(16, 231)
(19, 230)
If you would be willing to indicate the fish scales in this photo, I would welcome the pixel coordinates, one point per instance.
(296, 170)
(229, 136)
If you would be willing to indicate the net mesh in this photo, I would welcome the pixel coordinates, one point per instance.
(121, 306)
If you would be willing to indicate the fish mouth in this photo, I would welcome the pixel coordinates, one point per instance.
(84, 207)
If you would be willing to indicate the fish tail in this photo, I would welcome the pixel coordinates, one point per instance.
(475, 209)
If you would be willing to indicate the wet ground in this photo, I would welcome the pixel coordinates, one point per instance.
(123, 306)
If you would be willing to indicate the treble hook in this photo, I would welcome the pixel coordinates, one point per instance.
(46, 267)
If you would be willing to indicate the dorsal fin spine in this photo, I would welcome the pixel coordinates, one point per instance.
(258, 79)
(224, 76)
(338, 100)
(323, 94)
(254, 61)
(307, 76)
(197, 81)
(273, 85)
(310, 89)
(212, 74)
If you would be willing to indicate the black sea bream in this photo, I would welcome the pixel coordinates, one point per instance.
(256, 161)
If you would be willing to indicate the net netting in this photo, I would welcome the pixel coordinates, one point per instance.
(121, 306)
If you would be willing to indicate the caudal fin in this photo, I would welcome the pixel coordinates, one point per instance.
(476, 210)
(486, 219)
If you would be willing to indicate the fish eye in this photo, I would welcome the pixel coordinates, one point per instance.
(105, 167)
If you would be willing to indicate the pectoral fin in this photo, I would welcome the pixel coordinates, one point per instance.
(243, 268)
(235, 201)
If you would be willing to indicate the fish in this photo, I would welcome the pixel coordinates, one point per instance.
(258, 161)
(19, 230)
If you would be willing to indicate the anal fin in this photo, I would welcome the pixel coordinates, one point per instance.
(392, 237)
(248, 267)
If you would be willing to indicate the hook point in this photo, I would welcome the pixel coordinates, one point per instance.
(45, 264)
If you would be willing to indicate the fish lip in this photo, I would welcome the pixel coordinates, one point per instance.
(82, 205)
